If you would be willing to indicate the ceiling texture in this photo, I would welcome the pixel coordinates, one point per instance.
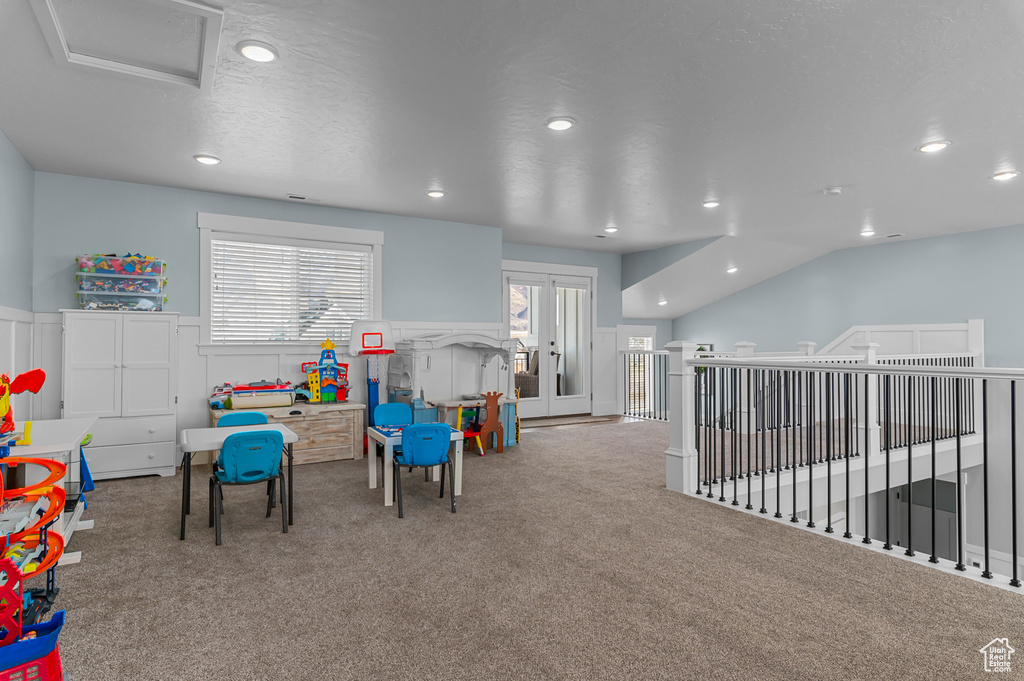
(760, 104)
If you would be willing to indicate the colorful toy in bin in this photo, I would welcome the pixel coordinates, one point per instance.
(132, 263)
(327, 379)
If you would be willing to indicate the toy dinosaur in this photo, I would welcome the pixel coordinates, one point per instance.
(31, 381)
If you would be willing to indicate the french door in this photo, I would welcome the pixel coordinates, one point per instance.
(550, 318)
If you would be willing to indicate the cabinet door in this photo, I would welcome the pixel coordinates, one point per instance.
(149, 357)
(92, 365)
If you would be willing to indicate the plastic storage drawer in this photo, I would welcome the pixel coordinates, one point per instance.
(130, 264)
(119, 283)
(141, 302)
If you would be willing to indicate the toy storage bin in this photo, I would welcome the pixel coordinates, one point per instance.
(130, 264)
(120, 283)
(138, 302)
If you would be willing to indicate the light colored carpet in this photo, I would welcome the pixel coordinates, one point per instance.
(567, 559)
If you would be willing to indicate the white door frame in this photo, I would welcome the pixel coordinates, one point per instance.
(520, 269)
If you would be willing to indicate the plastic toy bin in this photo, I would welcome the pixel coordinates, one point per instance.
(102, 300)
(119, 283)
(133, 265)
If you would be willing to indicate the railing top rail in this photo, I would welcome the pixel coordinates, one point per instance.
(882, 369)
(643, 352)
(933, 355)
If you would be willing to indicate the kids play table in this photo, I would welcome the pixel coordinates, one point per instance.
(390, 436)
(192, 440)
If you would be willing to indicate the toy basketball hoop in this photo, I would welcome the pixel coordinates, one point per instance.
(374, 339)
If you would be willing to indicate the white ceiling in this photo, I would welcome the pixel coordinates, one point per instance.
(762, 103)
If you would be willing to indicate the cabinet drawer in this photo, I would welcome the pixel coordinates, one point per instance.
(327, 433)
(127, 460)
(133, 430)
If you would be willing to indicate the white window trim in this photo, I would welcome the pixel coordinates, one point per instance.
(212, 226)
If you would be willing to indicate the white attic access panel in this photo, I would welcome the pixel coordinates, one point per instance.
(173, 41)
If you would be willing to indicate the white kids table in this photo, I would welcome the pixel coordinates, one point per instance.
(392, 438)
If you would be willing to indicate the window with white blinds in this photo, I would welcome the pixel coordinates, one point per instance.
(277, 293)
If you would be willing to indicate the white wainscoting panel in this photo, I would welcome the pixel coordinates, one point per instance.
(16, 355)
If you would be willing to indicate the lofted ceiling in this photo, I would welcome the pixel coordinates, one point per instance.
(760, 104)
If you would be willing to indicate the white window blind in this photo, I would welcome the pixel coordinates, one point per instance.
(274, 293)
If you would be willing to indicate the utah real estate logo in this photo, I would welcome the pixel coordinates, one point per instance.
(997, 655)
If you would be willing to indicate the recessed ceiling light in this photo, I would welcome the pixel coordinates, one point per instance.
(1005, 175)
(932, 147)
(867, 232)
(435, 193)
(832, 191)
(560, 123)
(711, 203)
(611, 230)
(256, 51)
(732, 270)
(662, 302)
(206, 159)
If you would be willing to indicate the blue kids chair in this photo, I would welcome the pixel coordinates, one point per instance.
(242, 418)
(247, 418)
(390, 414)
(246, 459)
(424, 445)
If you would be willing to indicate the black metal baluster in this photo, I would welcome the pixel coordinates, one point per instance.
(888, 438)
(987, 572)
(712, 430)
(799, 383)
(737, 454)
(828, 453)
(721, 427)
(811, 435)
(867, 457)
(959, 490)
(935, 426)
(910, 468)
(848, 431)
(1013, 478)
(750, 406)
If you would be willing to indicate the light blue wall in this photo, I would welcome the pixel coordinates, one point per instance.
(973, 275)
(16, 194)
(432, 270)
(609, 274)
(642, 264)
(664, 327)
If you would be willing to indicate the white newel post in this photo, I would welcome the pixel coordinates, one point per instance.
(806, 347)
(681, 455)
(745, 349)
(870, 420)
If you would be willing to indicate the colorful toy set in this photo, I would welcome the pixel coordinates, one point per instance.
(31, 381)
(373, 338)
(326, 380)
(261, 394)
(28, 650)
(133, 283)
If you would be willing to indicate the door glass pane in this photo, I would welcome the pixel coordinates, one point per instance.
(524, 325)
(569, 336)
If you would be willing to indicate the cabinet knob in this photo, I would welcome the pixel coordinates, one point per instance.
(152, 430)
(152, 456)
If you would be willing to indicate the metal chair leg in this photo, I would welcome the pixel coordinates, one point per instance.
(284, 507)
(451, 486)
(211, 500)
(220, 509)
(442, 481)
(398, 488)
(271, 499)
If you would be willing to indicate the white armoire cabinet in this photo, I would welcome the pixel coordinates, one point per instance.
(121, 367)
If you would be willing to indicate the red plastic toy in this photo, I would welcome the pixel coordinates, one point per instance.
(31, 381)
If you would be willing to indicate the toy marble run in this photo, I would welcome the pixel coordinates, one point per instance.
(31, 381)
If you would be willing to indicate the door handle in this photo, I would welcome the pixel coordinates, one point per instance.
(553, 353)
